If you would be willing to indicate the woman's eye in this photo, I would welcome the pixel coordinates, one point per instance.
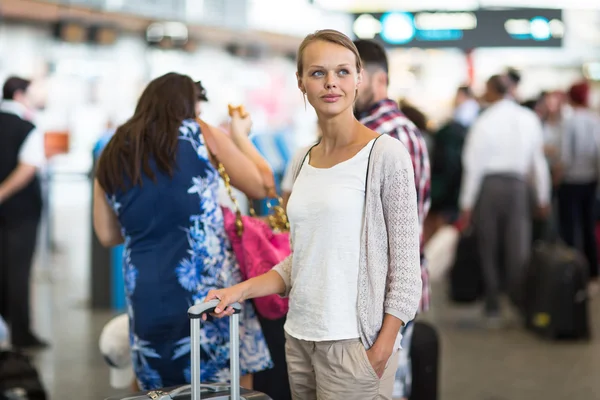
(344, 72)
(317, 73)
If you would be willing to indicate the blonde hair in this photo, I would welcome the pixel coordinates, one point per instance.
(330, 36)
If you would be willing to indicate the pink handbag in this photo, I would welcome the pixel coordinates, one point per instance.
(258, 249)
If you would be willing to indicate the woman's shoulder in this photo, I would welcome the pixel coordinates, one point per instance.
(189, 128)
(391, 153)
(190, 132)
(301, 153)
(299, 157)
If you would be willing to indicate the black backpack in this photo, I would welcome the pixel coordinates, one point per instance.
(19, 379)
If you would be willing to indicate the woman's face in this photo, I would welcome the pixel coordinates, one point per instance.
(329, 77)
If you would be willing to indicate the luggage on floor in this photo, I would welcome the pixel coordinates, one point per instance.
(19, 379)
(597, 231)
(440, 251)
(556, 300)
(466, 281)
(425, 360)
(196, 390)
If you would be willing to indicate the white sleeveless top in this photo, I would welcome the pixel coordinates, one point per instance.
(326, 212)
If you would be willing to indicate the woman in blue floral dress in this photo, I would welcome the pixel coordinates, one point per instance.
(156, 191)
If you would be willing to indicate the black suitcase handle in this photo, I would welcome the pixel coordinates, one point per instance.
(198, 310)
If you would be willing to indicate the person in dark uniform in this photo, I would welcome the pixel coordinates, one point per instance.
(21, 155)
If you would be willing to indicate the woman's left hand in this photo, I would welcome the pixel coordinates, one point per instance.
(378, 359)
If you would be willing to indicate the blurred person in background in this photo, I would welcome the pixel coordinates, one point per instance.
(579, 173)
(156, 191)
(415, 115)
(549, 108)
(420, 120)
(514, 79)
(378, 112)
(21, 156)
(4, 343)
(466, 107)
(353, 278)
(446, 161)
(503, 148)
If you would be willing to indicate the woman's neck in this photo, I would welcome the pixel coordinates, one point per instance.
(338, 131)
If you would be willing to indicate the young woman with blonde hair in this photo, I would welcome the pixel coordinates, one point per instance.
(354, 276)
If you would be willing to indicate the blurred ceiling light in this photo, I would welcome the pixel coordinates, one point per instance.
(360, 6)
(517, 26)
(558, 4)
(397, 28)
(538, 28)
(175, 31)
(435, 21)
(591, 71)
(114, 4)
(557, 27)
(366, 26)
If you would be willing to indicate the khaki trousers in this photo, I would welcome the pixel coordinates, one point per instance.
(336, 370)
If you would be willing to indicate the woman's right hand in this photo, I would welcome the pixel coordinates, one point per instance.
(227, 296)
(239, 125)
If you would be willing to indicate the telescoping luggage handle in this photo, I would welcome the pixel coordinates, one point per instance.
(195, 314)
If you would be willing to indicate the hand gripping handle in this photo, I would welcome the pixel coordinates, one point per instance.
(195, 314)
(196, 311)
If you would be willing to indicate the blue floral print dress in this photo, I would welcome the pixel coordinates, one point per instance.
(175, 251)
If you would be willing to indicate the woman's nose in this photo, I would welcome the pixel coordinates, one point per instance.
(331, 82)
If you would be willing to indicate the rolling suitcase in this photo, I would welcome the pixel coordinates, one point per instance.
(556, 300)
(19, 379)
(466, 278)
(425, 360)
(196, 390)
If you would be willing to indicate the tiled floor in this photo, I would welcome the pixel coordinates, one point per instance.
(476, 364)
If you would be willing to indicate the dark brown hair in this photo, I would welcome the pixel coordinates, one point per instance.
(13, 85)
(151, 134)
(499, 84)
(414, 115)
(372, 54)
(330, 36)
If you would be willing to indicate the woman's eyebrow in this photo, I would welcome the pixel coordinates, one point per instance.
(320, 66)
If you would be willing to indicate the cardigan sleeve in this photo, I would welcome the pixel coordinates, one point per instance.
(284, 269)
(400, 211)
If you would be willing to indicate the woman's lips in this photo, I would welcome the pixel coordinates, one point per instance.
(331, 98)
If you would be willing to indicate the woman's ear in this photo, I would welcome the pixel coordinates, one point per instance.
(300, 85)
(359, 77)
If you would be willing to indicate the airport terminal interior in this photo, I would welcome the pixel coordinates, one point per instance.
(73, 72)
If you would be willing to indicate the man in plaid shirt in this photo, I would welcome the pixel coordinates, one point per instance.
(381, 114)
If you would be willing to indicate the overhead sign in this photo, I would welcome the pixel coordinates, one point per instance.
(463, 29)
(362, 6)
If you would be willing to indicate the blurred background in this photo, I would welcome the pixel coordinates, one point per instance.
(89, 60)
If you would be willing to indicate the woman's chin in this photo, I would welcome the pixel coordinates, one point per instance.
(332, 109)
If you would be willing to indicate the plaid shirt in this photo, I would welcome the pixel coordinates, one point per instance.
(386, 118)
